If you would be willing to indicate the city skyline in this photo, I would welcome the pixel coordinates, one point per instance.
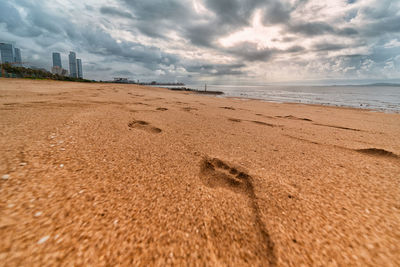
(10, 54)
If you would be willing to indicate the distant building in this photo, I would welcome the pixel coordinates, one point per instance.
(57, 60)
(17, 54)
(79, 65)
(73, 69)
(10, 54)
(121, 80)
(7, 53)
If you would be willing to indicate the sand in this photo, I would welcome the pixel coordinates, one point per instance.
(108, 174)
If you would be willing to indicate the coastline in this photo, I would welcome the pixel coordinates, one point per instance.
(287, 94)
(125, 174)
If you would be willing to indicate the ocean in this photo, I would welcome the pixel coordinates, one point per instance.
(382, 98)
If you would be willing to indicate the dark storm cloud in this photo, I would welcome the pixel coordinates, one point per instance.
(382, 26)
(155, 17)
(10, 16)
(101, 43)
(311, 28)
(231, 15)
(13, 21)
(250, 52)
(295, 49)
(328, 47)
(277, 12)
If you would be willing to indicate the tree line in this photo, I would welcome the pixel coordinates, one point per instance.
(22, 72)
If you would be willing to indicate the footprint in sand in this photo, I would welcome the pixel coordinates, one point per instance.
(266, 124)
(188, 109)
(143, 125)
(231, 108)
(290, 117)
(216, 173)
(378, 152)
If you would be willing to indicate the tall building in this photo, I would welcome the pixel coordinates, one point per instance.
(79, 65)
(17, 54)
(72, 65)
(57, 60)
(7, 53)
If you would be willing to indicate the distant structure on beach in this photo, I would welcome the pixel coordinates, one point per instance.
(10, 54)
(75, 66)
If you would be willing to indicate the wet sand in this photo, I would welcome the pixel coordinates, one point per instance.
(107, 174)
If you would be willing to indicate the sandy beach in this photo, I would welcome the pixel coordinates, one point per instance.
(99, 174)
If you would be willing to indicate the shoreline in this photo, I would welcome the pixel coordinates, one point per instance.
(282, 102)
(363, 106)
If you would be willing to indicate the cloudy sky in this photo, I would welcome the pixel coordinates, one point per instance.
(214, 41)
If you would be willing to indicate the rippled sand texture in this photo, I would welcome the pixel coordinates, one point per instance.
(107, 174)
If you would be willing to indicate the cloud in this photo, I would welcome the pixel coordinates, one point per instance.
(123, 72)
(217, 69)
(329, 47)
(392, 44)
(250, 52)
(181, 38)
(106, 10)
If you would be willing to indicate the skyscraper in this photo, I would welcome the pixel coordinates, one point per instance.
(17, 53)
(57, 60)
(72, 65)
(7, 53)
(79, 65)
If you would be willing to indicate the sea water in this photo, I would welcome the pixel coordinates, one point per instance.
(382, 98)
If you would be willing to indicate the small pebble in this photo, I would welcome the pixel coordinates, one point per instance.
(37, 214)
(43, 239)
(61, 165)
(115, 222)
(5, 177)
(22, 164)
